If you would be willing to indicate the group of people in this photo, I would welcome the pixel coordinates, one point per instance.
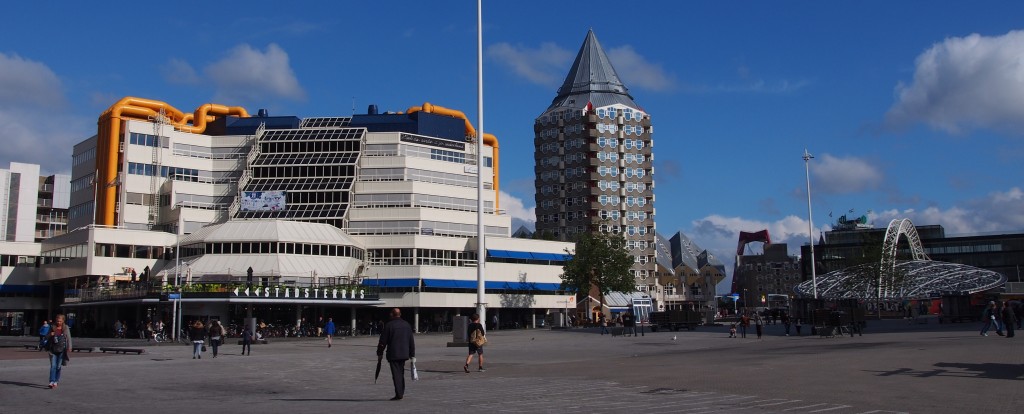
(759, 321)
(1002, 316)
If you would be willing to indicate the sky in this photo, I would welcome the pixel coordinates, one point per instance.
(911, 109)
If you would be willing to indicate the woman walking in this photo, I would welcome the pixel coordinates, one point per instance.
(216, 336)
(59, 343)
(198, 335)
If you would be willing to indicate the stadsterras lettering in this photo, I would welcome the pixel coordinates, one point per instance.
(299, 293)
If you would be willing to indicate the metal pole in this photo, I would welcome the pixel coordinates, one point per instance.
(481, 251)
(810, 220)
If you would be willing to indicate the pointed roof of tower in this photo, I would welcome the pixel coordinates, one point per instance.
(592, 79)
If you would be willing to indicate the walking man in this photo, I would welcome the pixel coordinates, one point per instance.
(604, 323)
(329, 330)
(396, 339)
(990, 316)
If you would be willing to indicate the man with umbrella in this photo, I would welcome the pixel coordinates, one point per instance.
(396, 339)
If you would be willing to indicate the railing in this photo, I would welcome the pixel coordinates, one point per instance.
(148, 290)
(244, 179)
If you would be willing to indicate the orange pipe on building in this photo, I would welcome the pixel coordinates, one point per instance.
(108, 145)
(489, 139)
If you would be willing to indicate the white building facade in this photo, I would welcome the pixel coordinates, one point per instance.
(380, 205)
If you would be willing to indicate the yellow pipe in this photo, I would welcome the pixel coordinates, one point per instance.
(109, 133)
(489, 139)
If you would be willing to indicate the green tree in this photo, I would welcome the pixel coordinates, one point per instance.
(600, 261)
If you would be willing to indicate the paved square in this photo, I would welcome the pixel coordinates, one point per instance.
(894, 367)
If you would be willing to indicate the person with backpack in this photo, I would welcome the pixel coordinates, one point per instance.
(477, 339)
(216, 336)
(58, 343)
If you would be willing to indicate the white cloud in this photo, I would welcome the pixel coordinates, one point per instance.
(997, 212)
(33, 128)
(719, 235)
(963, 83)
(178, 71)
(27, 82)
(247, 75)
(835, 175)
(637, 72)
(41, 137)
(545, 65)
(513, 206)
(548, 64)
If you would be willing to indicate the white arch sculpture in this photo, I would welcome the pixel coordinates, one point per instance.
(891, 243)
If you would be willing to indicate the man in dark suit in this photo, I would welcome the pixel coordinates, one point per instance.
(396, 339)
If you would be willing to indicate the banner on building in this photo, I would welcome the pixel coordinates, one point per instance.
(263, 201)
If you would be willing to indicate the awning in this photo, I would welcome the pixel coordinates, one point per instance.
(512, 254)
(522, 285)
(392, 283)
(25, 289)
(449, 284)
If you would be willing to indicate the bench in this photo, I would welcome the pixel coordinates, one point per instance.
(137, 351)
(36, 347)
(88, 349)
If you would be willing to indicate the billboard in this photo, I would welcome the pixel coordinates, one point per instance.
(263, 201)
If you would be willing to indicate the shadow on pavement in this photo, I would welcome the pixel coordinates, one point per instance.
(333, 399)
(23, 384)
(984, 371)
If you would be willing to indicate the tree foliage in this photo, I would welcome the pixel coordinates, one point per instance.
(601, 261)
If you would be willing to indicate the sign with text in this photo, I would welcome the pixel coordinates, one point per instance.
(299, 293)
(434, 142)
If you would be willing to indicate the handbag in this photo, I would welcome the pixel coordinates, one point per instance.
(204, 348)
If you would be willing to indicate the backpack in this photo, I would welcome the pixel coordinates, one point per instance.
(477, 338)
(59, 344)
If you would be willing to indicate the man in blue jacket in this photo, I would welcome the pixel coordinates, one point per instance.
(43, 332)
(396, 339)
(329, 330)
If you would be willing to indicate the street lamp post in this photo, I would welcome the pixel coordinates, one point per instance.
(810, 220)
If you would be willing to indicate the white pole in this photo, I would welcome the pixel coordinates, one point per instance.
(810, 220)
(481, 250)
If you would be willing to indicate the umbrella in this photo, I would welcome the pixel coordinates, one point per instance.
(415, 374)
(377, 374)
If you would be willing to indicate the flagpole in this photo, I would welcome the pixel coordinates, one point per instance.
(481, 250)
(810, 220)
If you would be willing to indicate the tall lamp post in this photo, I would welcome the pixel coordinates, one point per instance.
(481, 247)
(810, 220)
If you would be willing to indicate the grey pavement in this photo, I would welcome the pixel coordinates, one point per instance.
(894, 367)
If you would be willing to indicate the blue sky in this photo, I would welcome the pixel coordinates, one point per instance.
(912, 108)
